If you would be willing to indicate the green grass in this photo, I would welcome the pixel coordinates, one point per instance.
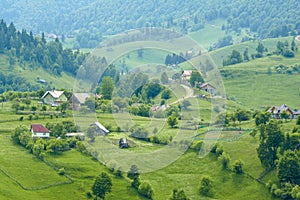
(187, 171)
(65, 81)
(210, 34)
(27, 165)
(220, 54)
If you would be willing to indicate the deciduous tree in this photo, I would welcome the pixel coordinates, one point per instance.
(102, 185)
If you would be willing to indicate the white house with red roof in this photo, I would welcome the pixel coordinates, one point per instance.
(39, 131)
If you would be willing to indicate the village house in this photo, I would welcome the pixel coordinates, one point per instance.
(186, 76)
(54, 98)
(39, 131)
(276, 111)
(208, 88)
(77, 100)
(99, 128)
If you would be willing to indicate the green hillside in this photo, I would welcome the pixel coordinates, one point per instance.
(90, 21)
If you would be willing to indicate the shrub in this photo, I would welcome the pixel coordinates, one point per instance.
(89, 195)
(206, 186)
(225, 160)
(61, 171)
(219, 151)
(146, 190)
(238, 166)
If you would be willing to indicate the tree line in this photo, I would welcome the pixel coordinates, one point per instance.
(35, 51)
(89, 20)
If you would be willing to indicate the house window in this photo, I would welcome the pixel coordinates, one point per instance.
(44, 133)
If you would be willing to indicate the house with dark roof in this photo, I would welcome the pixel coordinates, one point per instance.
(276, 111)
(39, 131)
(77, 100)
(54, 98)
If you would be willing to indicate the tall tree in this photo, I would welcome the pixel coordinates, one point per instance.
(102, 185)
(133, 172)
(289, 167)
(246, 55)
(164, 78)
(107, 87)
(172, 120)
(260, 48)
(196, 78)
(271, 138)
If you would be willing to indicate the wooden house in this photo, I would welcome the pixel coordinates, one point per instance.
(77, 100)
(208, 88)
(99, 128)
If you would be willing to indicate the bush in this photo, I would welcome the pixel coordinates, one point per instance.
(89, 195)
(61, 171)
(238, 166)
(225, 160)
(206, 186)
(146, 190)
(119, 172)
(196, 146)
(214, 148)
(136, 183)
(21, 118)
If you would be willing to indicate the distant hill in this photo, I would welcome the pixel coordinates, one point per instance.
(89, 20)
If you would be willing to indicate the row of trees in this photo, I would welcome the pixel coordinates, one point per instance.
(92, 17)
(282, 48)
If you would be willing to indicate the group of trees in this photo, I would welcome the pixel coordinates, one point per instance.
(175, 59)
(37, 52)
(39, 147)
(282, 48)
(238, 116)
(281, 151)
(285, 49)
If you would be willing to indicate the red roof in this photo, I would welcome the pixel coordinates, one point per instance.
(39, 128)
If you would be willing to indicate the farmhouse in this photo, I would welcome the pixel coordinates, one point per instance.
(100, 129)
(208, 88)
(78, 99)
(276, 111)
(54, 98)
(123, 143)
(39, 131)
(186, 75)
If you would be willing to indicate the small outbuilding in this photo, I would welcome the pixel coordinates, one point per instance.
(123, 143)
(99, 128)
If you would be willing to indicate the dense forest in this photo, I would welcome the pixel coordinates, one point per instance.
(89, 20)
(25, 49)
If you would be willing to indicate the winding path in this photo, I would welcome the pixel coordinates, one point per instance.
(189, 92)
